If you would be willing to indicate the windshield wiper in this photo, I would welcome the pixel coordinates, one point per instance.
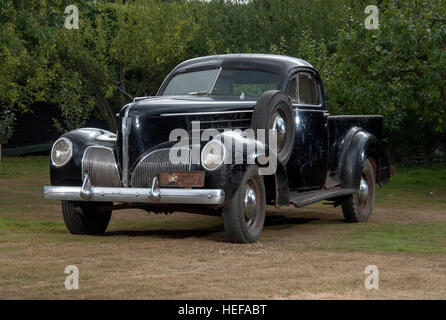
(198, 93)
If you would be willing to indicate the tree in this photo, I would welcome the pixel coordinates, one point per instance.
(7, 119)
(398, 70)
(134, 43)
(26, 34)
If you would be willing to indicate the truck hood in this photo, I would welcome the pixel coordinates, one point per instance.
(165, 105)
(152, 120)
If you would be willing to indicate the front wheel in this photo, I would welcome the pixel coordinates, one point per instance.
(86, 217)
(244, 215)
(358, 206)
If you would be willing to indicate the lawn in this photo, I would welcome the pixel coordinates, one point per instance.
(303, 253)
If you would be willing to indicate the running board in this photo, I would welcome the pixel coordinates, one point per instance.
(301, 199)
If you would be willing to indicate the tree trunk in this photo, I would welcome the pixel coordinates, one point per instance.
(106, 111)
(96, 82)
(0, 154)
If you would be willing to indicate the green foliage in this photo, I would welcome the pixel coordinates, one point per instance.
(7, 120)
(26, 41)
(75, 106)
(398, 70)
(134, 43)
(26, 44)
(84, 60)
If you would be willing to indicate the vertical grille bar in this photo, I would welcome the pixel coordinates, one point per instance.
(153, 164)
(101, 166)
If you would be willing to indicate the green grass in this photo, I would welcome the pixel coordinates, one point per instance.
(417, 238)
(416, 188)
(419, 180)
(9, 224)
(416, 177)
(16, 167)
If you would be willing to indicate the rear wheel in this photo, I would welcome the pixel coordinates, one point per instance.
(358, 207)
(86, 217)
(244, 215)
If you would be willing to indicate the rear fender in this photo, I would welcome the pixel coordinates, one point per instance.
(357, 146)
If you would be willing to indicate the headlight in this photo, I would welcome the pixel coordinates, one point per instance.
(61, 152)
(213, 155)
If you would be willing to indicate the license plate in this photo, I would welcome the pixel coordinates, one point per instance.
(182, 179)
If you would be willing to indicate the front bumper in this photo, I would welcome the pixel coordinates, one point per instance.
(133, 195)
(137, 195)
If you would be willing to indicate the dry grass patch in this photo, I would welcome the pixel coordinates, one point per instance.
(309, 253)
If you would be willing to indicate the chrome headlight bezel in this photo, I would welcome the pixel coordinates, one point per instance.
(207, 148)
(68, 157)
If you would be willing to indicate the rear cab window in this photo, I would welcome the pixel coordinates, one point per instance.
(303, 89)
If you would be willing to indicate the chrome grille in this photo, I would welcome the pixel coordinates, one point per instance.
(101, 166)
(155, 162)
(241, 120)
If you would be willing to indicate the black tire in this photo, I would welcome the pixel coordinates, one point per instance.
(242, 226)
(271, 104)
(355, 208)
(86, 218)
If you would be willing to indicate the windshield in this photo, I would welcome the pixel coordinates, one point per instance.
(226, 82)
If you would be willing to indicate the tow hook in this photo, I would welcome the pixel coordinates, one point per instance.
(86, 187)
(155, 193)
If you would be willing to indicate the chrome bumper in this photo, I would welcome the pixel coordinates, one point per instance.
(140, 195)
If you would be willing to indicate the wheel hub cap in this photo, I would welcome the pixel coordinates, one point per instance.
(280, 127)
(363, 191)
(250, 203)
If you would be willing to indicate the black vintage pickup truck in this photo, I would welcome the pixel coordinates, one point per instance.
(225, 135)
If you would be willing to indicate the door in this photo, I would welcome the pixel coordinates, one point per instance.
(307, 167)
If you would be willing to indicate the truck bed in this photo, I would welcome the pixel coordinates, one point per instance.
(339, 125)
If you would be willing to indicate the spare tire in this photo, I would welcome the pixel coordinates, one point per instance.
(273, 110)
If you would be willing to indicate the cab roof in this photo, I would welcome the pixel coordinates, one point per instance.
(264, 61)
(279, 64)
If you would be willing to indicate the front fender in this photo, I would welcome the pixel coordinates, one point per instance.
(358, 145)
(71, 173)
(240, 152)
(244, 151)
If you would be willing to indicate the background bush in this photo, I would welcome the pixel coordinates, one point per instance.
(398, 70)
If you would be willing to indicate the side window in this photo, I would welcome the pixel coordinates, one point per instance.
(308, 90)
(223, 87)
(291, 90)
